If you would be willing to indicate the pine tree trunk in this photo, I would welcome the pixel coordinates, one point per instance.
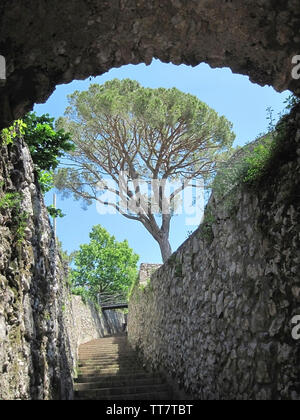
(161, 235)
(165, 248)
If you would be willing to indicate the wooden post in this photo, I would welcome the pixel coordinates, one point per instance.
(54, 218)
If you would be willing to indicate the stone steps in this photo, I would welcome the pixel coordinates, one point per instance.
(119, 378)
(108, 360)
(122, 397)
(107, 393)
(100, 363)
(117, 383)
(106, 355)
(109, 370)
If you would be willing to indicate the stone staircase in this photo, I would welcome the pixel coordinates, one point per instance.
(109, 370)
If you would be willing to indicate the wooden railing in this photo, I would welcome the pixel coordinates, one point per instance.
(113, 301)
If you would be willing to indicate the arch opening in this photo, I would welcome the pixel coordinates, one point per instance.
(58, 43)
(234, 96)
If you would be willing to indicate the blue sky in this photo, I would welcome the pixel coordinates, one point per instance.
(234, 96)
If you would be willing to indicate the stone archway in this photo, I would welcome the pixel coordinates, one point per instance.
(48, 43)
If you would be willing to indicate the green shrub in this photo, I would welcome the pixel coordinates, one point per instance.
(46, 145)
(55, 213)
(247, 166)
(45, 179)
(22, 221)
(12, 201)
(8, 135)
(206, 225)
(251, 163)
(255, 162)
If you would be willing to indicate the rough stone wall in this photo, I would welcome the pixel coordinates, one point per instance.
(35, 359)
(146, 271)
(41, 323)
(217, 316)
(88, 37)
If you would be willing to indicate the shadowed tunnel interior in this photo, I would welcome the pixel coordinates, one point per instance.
(57, 42)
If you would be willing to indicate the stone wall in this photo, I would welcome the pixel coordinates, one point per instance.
(217, 316)
(146, 271)
(35, 358)
(41, 323)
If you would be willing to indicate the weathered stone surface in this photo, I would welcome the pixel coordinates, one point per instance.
(35, 361)
(146, 271)
(48, 43)
(222, 328)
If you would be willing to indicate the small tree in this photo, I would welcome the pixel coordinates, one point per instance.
(152, 135)
(46, 146)
(103, 265)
